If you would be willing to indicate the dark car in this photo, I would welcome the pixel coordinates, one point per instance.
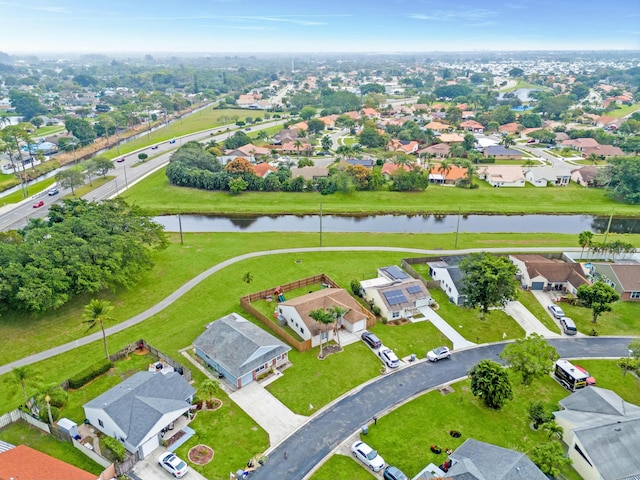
(155, 147)
(120, 160)
(371, 340)
(393, 473)
(172, 141)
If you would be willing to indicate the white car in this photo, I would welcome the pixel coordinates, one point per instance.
(172, 464)
(438, 354)
(368, 456)
(556, 311)
(389, 357)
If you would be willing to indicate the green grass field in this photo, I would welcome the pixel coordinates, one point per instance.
(50, 130)
(154, 192)
(622, 320)
(341, 467)
(623, 111)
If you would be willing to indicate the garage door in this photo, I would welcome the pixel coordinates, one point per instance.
(358, 326)
(149, 446)
(537, 285)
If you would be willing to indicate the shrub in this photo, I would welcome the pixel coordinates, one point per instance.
(376, 310)
(538, 414)
(355, 287)
(89, 373)
(44, 414)
(115, 446)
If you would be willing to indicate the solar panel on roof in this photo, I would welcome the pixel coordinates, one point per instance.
(396, 272)
(394, 297)
(414, 289)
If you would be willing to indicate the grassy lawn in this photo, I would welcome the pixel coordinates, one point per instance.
(624, 110)
(622, 320)
(608, 375)
(7, 181)
(404, 442)
(528, 300)
(341, 467)
(410, 338)
(233, 436)
(154, 192)
(34, 188)
(96, 182)
(315, 382)
(475, 327)
(50, 130)
(22, 433)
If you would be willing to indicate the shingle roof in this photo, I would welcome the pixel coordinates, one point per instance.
(502, 151)
(136, 404)
(25, 463)
(627, 276)
(409, 298)
(555, 271)
(239, 345)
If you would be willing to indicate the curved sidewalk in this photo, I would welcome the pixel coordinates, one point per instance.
(158, 307)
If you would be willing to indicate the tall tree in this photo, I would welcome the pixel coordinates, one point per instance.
(70, 178)
(532, 357)
(210, 388)
(584, 240)
(326, 143)
(21, 374)
(324, 318)
(549, 457)
(489, 280)
(96, 313)
(490, 381)
(598, 297)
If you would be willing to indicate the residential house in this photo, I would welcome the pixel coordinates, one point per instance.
(475, 460)
(602, 432)
(248, 101)
(137, 410)
(370, 112)
(467, 114)
(438, 150)
(450, 138)
(543, 176)
(329, 120)
(502, 175)
(310, 173)
(353, 115)
(395, 293)
(263, 169)
(403, 146)
(240, 350)
(602, 151)
(25, 463)
(580, 143)
(285, 135)
(500, 152)
(472, 126)
(449, 176)
(295, 313)
(623, 277)
(438, 126)
(249, 150)
(299, 127)
(585, 176)
(542, 273)
(288, 148)
(509, 128)
(561, 137)
(448, 273)
(389, 168)
(605, 121)
(364, 162)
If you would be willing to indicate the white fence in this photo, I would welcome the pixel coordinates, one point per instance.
(99, 459)
(18, 414)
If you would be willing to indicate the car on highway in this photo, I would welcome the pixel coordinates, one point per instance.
(389, 357)
(372, 340)
(120, 160)
(248, 129)
(556, 311)
(172, 464)
(52, 192)
(172, 141)
(439, 353)
(38, 204)
(590, 379)
(155, 147)
(568, 326)
(394, 473)
(368, 456)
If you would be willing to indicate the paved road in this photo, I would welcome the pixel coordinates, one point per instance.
(315, 440)
(158, 307)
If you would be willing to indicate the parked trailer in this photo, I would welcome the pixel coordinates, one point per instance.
(569, 376)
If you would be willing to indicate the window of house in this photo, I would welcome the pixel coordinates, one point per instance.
(396, 314)
(100, 423)
(260, 368)
(582, 454)
(634, 295)
(301, 330)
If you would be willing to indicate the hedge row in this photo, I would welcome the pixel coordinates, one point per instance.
(89, 373)
(115, 446)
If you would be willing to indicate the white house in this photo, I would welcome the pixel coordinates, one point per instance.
(543, 176)
(541, 273)
(137, 410)
(502, 175)
(446, 271)
(296, 314)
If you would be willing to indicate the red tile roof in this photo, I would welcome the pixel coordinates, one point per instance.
(25, 463)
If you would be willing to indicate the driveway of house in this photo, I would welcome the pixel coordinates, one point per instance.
(447, 330)
(149, 469)
(268, 412)
(527, 320)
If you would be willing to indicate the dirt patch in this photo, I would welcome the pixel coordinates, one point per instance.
(200, 454)
(400, 321)
(329, 350)
(176, 437)
(140, 351)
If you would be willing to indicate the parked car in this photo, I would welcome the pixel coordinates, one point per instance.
(368, 456)
(172, 464)
(371, 340)
(568, 326)
(438, 354)
(52, 192)
(393, 473)
(590, 380)
(120, 160)
(556, 311)
(38, 204)
(389, 357)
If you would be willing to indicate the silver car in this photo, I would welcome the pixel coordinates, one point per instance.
(556, 311)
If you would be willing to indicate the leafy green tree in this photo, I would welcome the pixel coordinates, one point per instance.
(539, 414)
(326, 143)
(503, 115)
(489, 280)
(554, 107)
(634, 346)
(531, 356)
(372, 88)
(598, 297)
(70, 178)
(371, 138)
(37, 122)
(623, 179)
(237, 185)
(81, 129)
(316, 125)
(580, 90)
(305, 162)
(307, 113)
(100, 165)
(490, 381)
(96, 313)
(142, 156)
(543, 136)
(26, 104)
(550, 458)
(531, 120)
(516, 72)
(210, 388)
(237, 140)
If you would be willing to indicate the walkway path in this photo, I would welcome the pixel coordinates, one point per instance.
(158, 307)
(527, 320)
(447, 330)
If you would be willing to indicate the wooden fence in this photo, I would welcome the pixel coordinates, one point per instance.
(406, 265)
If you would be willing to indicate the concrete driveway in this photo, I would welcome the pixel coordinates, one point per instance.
(150, 469)
(527, 320)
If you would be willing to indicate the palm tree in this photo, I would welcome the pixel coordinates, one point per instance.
(471, 170)
(584, 240)
(298, 144)
(247, 278)
(344, 151)
(324, 318)
(96, 313)
(21, 374)
(508, 141)
(338, 314)
(445, 168)
(210, 388)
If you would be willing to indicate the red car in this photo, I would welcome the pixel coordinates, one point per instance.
(39, 204)
(590, 380)
(120, 160)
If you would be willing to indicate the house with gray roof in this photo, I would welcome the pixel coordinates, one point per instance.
(475, 460)
(451, 278)
(501, 152)
(137, 410)
(240, 350)
(542, 273)
(602, 432)
(624, 277)
(544, 176)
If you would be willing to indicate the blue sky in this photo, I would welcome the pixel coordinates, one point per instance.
(317, 26)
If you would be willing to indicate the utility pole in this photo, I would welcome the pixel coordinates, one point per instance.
(457, 229)
(320, 224)
(126, 184)
(180, 226)
(606, 234)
